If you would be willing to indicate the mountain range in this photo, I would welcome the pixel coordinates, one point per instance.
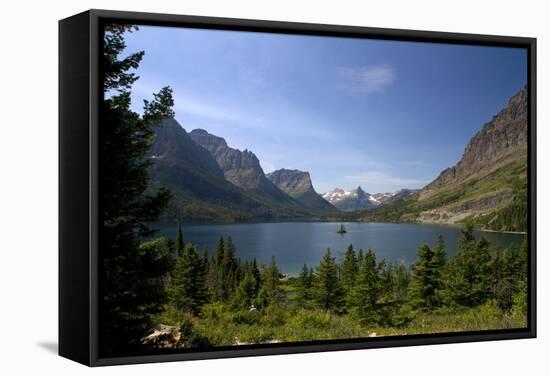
(211, 181)
(358, 199)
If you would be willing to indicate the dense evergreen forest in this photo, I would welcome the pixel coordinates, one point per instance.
(160, 294)
(221, 300)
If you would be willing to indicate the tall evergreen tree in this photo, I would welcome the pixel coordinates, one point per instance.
(229, 270)
(255, 270)
(468, 277)
(128, 291)
(245, 294)
(360, 258)
(402, 279)
(189, 292)
(220, 250)
(349, 269)
(271, 279)
(305, 282)
(509, 269)
(425, 279)
(215, 274)
(179, 239)
(328, 291)
(440, 255)
(364, 297)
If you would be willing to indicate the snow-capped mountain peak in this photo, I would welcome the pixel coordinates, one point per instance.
(357, 199)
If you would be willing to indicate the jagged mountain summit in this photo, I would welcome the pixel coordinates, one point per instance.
(242, 168)
(200, 190)
(351, 200)
(297, 184)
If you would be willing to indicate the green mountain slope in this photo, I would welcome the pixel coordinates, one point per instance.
(486, 186)
(199, 189)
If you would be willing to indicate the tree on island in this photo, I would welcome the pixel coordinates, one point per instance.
(130, 277)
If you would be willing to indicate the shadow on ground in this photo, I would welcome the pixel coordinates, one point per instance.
(50, 347)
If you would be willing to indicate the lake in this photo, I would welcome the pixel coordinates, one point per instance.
(296, 243)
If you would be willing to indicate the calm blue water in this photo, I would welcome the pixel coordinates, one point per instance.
(296, 243)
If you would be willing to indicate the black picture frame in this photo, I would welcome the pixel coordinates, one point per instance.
(79, 93)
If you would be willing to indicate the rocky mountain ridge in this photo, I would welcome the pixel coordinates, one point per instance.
(487, 185)
(498, 142)
(297, 184)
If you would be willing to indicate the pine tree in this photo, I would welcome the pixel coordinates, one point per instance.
(220, 250)
(386, 271)
(509, 270)
(364, 297)
(130, 277)
(179, 239)
(402, 280)
(349, 269)
(360, 258)
(328, 292)
(440, 255)
(305, 282)
(215, 274)
(468, 277)
(189, 292)
(425, 279)
(271, 279)
(245, 294)
(228, 270)
(256, 274)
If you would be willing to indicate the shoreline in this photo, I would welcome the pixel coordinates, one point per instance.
(504, 232)
(164, 224)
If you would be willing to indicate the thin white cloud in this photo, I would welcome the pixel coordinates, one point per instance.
(366, 80)
(415, 163)
(379, 178)
(187, 104)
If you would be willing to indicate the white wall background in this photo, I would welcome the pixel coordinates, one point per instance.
(28, 185)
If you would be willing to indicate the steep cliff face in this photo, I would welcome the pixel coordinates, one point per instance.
(200, 191)
(483, 186)
(242, 168)
(292, 182)
(499, 142)
(297, 184)
(173, 142)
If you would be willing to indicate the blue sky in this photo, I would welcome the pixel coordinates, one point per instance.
(381, 114)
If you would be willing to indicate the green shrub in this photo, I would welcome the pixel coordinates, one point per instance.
(247, 317)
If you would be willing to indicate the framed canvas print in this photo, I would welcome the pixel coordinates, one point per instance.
(239, 187)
